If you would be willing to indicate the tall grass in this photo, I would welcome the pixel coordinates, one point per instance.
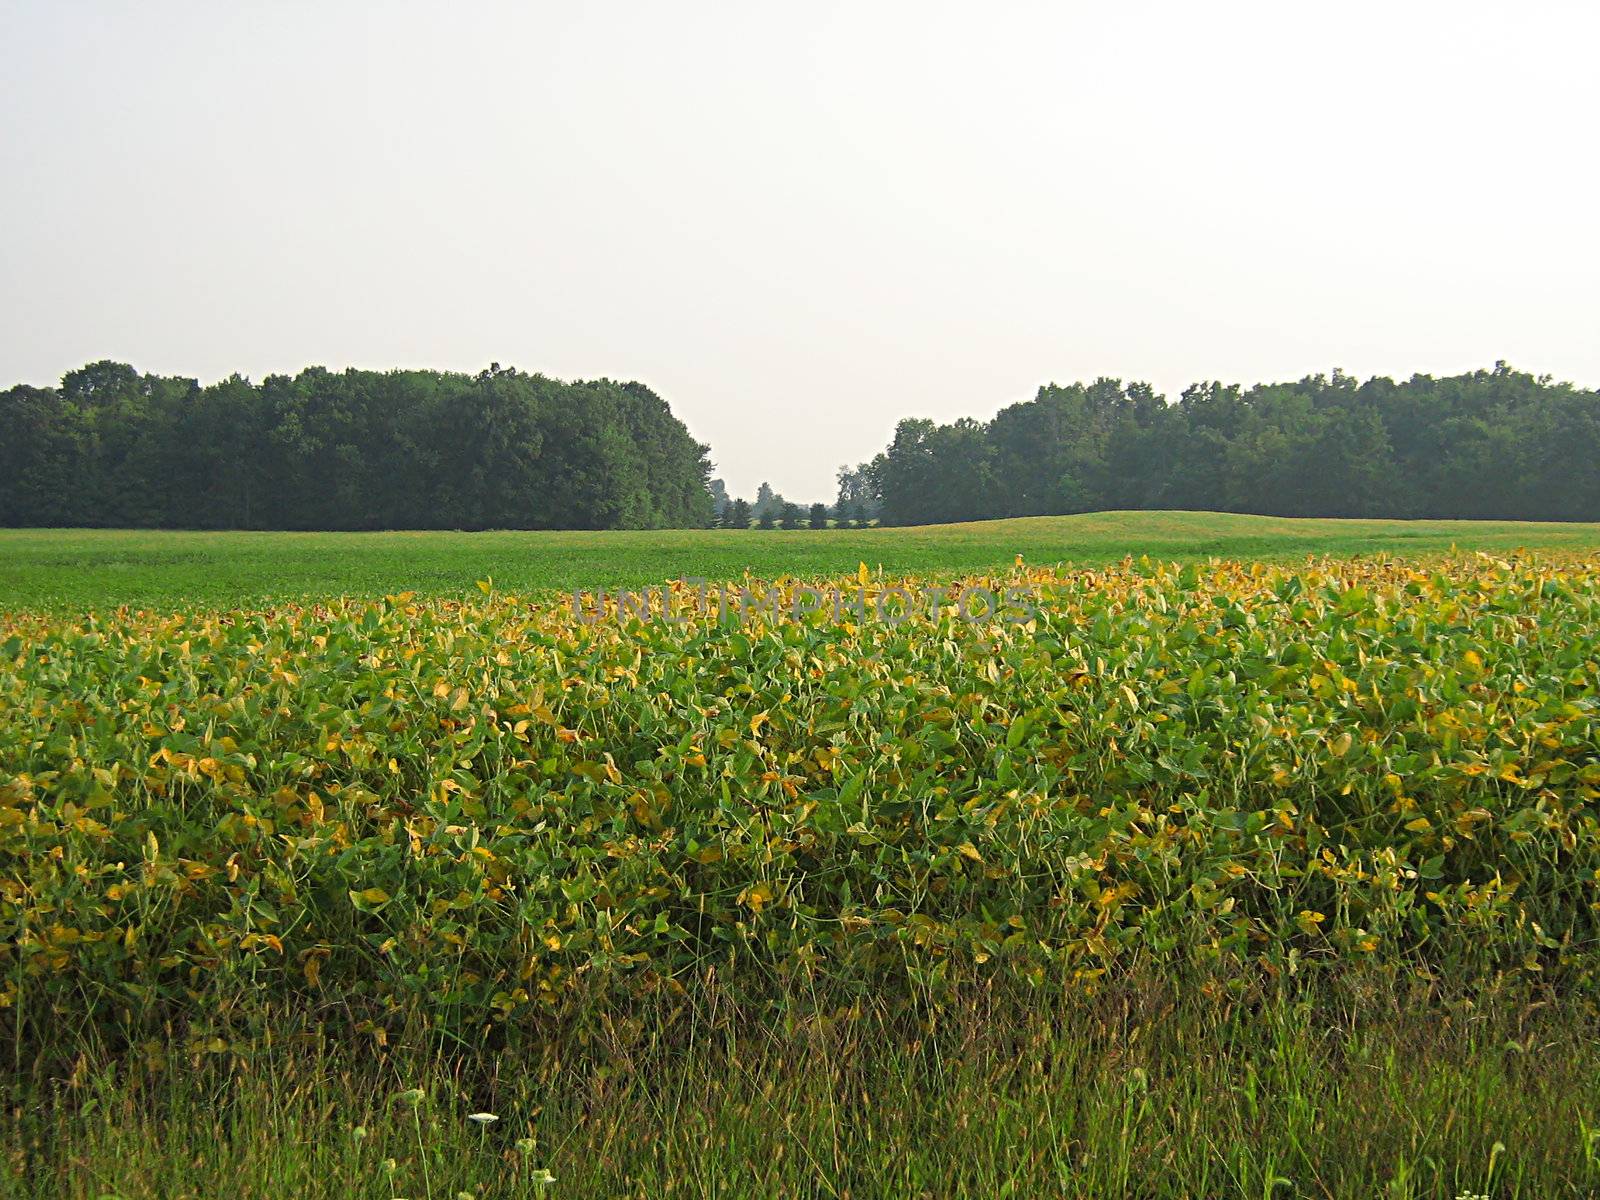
(1356, 1090)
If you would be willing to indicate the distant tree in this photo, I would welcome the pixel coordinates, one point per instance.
(767, 501)
(767, 520)
(936, 472)
(859, 518)
(719, 501)
(819, 516)
(857, 489)
(791, 515)
(738, 516)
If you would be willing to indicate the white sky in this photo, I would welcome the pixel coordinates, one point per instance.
(801, 222)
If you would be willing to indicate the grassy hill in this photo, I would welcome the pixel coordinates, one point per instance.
(54, 568)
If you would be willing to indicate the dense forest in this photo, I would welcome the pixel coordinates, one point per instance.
(1491, 444)
(503, 449)
(350, 450)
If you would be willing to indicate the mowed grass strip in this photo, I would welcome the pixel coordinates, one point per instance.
(80, 569)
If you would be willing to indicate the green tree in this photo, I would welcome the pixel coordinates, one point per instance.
(719, 501)
(768, 502)
(350, 450)
(1496, 443)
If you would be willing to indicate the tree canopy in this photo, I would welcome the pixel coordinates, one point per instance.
(351, 450)
(1496, 444)
(356, 449)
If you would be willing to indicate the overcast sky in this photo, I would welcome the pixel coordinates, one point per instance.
(802, 222)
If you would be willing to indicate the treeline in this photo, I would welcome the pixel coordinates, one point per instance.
(502, 449)
(772, 511)
(347, 450)
(1496, 444)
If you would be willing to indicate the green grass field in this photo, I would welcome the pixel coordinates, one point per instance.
(67, 569)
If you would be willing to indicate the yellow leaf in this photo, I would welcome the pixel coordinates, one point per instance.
(1308, 920)
(968, 850)
(486, 585)
(644, 812)
(757, 721)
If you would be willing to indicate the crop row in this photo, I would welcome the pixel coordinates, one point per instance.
(478, 812)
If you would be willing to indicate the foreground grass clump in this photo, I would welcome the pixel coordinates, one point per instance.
(1349, 1091)
(464, 817)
